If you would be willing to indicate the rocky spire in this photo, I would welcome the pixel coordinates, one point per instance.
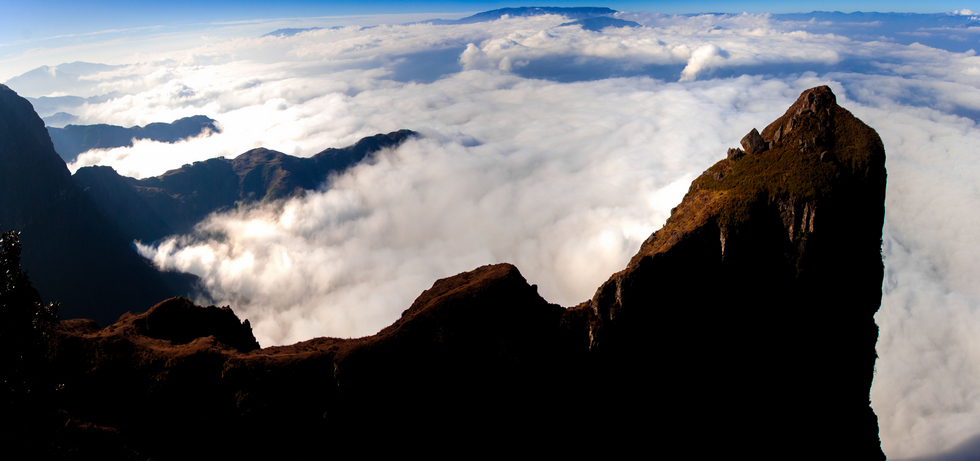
(755, 301)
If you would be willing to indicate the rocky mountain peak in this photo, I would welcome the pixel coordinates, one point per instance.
(746, 321)
(813, 113)
(775, 245)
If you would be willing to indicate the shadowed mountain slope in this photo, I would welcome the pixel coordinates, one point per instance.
(151, 208)
(745, 324)
(76, 139)
(72, 252)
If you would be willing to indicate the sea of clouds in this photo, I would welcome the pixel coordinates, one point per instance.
(560, 150)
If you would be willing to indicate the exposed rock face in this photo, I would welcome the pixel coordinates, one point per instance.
(753, 143)
(72, 253)
(745, 324)
(151, 208)
(764, 284)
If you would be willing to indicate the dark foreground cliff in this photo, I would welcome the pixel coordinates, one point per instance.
(743, 326)
(79, 229)
(72, 251)
(753, 306)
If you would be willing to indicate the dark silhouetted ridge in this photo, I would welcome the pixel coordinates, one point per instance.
(757, 297)
(151, 208)
(179, 321)
(744, 325)
(71, 251)
(76, 139)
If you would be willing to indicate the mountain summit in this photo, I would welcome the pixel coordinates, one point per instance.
(754, 303)
(745, 324)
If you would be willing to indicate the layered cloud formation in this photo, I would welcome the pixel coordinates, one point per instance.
(560, 149)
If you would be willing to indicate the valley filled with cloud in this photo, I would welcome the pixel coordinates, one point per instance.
(558, 149)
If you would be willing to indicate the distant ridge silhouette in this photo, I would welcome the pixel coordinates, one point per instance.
(76, 139)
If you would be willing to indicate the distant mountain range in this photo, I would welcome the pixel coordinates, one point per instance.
(77, 231)
(527, 11)
(50, 104)
(76, 139)
(289, 32)
(596, 24)
(590, 18)
(59, 119)
(151, 208)
(65, 77)
(73, 253)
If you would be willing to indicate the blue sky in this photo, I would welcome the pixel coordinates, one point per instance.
(49, 32)
(47, 18)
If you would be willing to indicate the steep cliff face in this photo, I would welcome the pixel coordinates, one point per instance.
(743, 325)
(756, 299)
(71, 251)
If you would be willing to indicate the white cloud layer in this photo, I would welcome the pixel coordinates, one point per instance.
(563, 174)
(568, 198)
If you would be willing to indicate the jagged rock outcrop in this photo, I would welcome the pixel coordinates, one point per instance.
(756, 299)
(753, 143)
(745, 324)
(71, 251)
(179, 321)
(151, 208)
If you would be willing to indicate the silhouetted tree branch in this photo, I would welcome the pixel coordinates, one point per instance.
(25, 328)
